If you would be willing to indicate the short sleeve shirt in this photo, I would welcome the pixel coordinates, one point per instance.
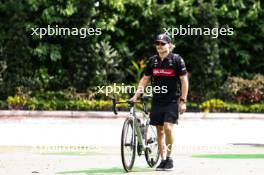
(165, 75)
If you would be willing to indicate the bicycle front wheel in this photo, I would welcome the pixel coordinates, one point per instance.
(128, 145)
(152, 153)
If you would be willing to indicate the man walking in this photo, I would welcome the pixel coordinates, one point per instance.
(165, 69)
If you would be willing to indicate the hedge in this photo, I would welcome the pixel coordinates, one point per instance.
(213, 105)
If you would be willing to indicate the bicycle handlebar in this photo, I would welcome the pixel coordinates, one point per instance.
(119, 102)
(131, 103)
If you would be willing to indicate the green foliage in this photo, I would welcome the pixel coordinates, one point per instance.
(213, 105)
(51, 62)
(242, 53)
(108, 61)
(257, 108)
(19, 100)
(33, 103)
(136, 70)
(16, 102)
(217, 105)
(56, 104)
(193, 107)
(128, 28)
(245, 91)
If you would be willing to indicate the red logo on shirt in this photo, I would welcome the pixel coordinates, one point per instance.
(163, 72)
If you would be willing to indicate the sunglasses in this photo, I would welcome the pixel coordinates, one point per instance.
(159, 43)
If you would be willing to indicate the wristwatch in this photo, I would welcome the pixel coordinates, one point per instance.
(183, 100)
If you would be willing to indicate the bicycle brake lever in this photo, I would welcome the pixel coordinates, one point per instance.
(114, 106)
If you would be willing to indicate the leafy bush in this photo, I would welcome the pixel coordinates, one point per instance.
(16, 102)
(245, 91)
(136, 70)
(217, 105)
(192, 107)
(19, 100)
(3, 104)
(108, 64)
(69, 99)
(56, 62)
(256, 108)
(214, 105)
(231, 107)
(72, 105)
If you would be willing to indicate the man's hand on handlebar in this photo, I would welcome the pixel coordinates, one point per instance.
(134, 98)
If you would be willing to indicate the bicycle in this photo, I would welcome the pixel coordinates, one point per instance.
(137, 136)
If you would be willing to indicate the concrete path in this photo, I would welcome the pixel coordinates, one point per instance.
(23, 131)
(82, 146)
(107, 161)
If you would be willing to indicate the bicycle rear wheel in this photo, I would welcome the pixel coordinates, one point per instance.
(128, 145)
(152, 153)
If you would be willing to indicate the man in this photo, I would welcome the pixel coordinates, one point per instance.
(165, 69)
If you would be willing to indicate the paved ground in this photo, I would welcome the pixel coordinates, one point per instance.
(91, 146)
(108, 162)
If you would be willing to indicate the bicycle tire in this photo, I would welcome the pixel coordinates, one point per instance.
(152, 153)
(131, 144)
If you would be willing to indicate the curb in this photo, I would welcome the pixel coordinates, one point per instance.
(111, 115)
(63, 114)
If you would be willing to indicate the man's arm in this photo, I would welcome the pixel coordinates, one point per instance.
(142, 84)
(184, 92)
(184, 86)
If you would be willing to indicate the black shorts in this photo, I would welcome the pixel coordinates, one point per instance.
(164, 113)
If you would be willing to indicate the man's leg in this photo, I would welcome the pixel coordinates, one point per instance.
(168, 129)
(161, 141)
(162, 148)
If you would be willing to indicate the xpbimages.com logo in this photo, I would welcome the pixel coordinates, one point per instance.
(214, 32)
(64, 31)
(117, 89)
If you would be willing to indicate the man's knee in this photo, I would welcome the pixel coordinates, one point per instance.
(160, 130)
(168, 127)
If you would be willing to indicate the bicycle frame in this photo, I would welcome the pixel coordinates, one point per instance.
(132, 115)
(136, 127)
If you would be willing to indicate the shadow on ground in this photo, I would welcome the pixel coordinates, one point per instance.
(261, 145)
(101, 171)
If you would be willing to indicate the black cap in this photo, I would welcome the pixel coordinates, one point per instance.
(163, 38)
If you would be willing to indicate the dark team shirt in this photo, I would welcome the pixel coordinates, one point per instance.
(167, 74)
